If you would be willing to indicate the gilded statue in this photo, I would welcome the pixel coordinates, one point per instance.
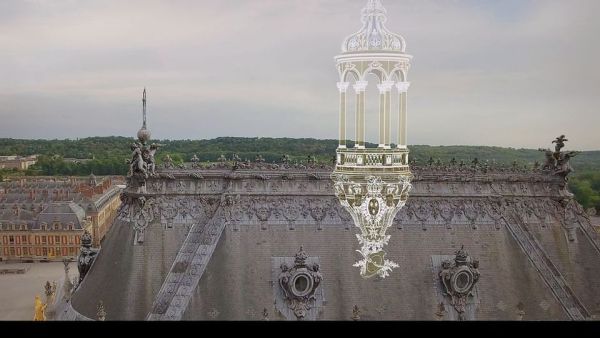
(40, 308)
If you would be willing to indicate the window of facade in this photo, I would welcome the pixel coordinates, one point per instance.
(38, 251)
(65, 251)
(57, 239)
(43, 239)
(11, 239)
(5, 251)
(44, 251)
(12, 251)
(71, 239)
(50, 239)
(5, 239)
(56, 226)
(18, 239)
(18, 251)
(57, 250)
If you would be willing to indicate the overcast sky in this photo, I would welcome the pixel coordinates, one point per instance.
(506, 72)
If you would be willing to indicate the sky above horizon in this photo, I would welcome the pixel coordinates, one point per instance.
(512, 73)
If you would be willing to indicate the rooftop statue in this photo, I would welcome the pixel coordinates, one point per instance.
(142, 163)
(560, 142)
(137, 164)
(168, 162)
(87, 255)
(558, 162)
(40, 308)
(148, 157)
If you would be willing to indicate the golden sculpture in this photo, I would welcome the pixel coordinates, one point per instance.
(40, 308)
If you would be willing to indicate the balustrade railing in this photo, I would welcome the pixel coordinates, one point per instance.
(372, 157)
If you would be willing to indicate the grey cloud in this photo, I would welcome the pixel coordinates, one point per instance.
(483, 73)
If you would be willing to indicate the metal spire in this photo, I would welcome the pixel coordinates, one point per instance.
(144, 108)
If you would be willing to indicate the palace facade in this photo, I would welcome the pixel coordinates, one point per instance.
(43, 218)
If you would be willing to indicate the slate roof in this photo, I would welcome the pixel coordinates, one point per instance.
(63, 212)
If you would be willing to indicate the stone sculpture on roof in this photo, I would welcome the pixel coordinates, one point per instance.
(142, 163)
(87, 255)
(558, 162)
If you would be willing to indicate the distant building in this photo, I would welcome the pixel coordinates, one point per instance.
(17, 162)
(43, 218)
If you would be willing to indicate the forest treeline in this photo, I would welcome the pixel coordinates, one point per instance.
(108, 155)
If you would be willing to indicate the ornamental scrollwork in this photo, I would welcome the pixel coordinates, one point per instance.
(299, 284)
(458, 279)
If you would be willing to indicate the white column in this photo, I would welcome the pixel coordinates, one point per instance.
(402, 118)
(384, 113)
(360, 87)
(342, 87)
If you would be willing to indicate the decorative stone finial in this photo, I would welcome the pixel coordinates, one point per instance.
(301, 257)
(355, 313)
(101, 313)
(86, 257)
(144, 134)
(86, 239)
(461, 256)
(441, 311)
(520, 311)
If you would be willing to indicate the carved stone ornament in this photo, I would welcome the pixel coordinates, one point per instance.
(373, 206)
(87, 255)
(299, 284)
(558, 162)
(458, 279)
(142, 163)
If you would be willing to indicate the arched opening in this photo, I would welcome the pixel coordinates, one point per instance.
(372, 106)
(395, 109)
(351, 136)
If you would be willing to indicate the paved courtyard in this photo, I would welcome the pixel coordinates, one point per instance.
(18, 291)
